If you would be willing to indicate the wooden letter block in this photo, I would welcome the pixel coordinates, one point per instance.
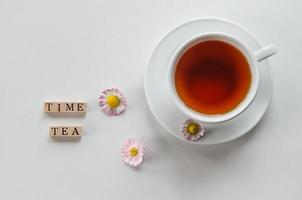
(65, 132)
(69, 108)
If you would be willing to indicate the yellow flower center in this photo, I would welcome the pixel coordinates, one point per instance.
(113, 101)
(193, 128)
(133, 151)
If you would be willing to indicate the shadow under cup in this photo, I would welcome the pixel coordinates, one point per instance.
(213, 77)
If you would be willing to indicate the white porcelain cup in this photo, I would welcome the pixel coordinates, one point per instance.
(252, 57)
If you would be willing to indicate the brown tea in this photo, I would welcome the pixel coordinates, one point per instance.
(212, 77)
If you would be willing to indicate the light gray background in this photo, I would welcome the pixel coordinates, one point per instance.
(71, 49)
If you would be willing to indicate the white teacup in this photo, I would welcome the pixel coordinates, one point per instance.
(252, 58)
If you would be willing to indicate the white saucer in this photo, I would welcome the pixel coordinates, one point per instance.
(159, 100)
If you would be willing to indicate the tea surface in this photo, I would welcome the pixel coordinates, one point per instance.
(212, 77)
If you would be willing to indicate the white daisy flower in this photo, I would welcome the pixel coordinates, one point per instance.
(113, 102)
(193, 130)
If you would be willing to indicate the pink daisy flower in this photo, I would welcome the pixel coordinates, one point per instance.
(113, 102)
(193, 130)
(132, 152)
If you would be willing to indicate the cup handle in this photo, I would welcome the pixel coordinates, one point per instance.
(265, 52)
